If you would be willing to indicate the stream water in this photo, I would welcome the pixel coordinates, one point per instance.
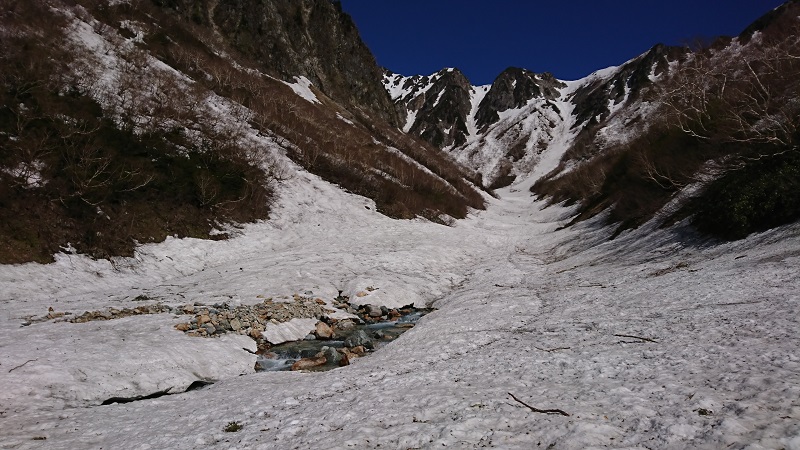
(282, 356)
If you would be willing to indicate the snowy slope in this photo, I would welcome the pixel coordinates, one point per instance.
(511, 124)
(516, 143)
(645, 341)
(656, 339)
(518, 140)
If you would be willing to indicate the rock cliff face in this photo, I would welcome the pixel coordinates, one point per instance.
(435, 107)
(594, 100)
(514, 88)
(499, 130)
(291, 38)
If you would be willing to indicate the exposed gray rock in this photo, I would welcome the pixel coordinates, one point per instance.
(374, 311)
(309, 38)
(359, 338)
(514, 88)
(592, 100)
(440, 111)
(330, 354)
(342, 328)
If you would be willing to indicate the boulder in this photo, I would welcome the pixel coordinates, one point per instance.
(330, 354)
(309, 363)
(323, 331)
(359, 338)
(347, 355)
(224, 325)
(374, 311)
(342, 327)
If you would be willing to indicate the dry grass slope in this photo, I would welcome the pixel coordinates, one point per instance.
(105, 169)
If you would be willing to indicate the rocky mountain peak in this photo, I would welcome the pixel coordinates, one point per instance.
(514, 88)
(435, 106)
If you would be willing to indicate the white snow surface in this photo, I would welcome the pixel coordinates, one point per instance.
(302, 87)
(293, 330)
(652, 340)
(476, 96)
(544, 131)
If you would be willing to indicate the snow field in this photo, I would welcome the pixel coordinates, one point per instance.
(647, 342)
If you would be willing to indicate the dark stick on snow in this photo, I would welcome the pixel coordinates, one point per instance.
(543, 411)
(26, 362)
(551, 350)
(636, 337)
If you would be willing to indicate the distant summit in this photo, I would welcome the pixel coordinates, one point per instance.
(629, 139)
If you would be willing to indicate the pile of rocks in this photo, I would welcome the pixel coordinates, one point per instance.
(250, 320)
(105, 314)
(114, 313)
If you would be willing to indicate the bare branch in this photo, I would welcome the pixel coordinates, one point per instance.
(537, 410)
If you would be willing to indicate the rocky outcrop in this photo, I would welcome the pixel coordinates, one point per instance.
(446, 111)
(443, 110)
(290, 38)
(514, 88)
(435, 107)
(593, 101)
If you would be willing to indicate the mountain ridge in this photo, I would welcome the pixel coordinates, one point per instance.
(613, 110)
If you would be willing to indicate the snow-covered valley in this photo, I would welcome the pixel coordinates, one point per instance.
(653, 340)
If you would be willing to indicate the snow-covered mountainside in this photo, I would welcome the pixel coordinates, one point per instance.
(163, 116)
(446, 96)
(503, 129)
(545, 332)
(645, 341)
(715, 125)
(711, 134)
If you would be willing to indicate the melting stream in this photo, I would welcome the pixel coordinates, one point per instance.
(281, 357)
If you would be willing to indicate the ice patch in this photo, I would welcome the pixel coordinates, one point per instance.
(384, 293)
(302, 87)
(293, 330)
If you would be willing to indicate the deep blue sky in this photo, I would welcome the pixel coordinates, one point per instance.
(570, 39)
